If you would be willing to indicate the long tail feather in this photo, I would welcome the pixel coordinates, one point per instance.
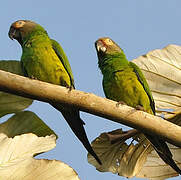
(72, 117)
(164, 152)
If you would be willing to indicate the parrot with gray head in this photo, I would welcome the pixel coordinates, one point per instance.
(123, 81)
(44, 59)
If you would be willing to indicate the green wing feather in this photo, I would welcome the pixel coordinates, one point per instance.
(63, 58)
(144, 83)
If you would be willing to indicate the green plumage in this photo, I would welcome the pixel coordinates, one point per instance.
(123, 85)
(123, 81)
(41, 61)
(44, 59)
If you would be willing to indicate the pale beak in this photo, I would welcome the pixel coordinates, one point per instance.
(100, 46)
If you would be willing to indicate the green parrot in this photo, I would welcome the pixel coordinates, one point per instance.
(123, 81)
(44, 59)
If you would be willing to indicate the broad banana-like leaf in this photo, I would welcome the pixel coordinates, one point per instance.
(136, 158)
(124, 159)
(25, 122)
(155, 164)
(10, 103)
(162, 69)
(154, 168)
(17, 162)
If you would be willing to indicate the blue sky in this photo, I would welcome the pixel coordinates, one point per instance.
(137, 26)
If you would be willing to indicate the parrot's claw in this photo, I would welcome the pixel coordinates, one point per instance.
(69, 88)
(120, 103)
(32, 77)
(139, 107)
(122, 137)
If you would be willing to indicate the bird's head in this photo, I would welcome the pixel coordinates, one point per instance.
(106, 46)
(107, 49)
(21, 29)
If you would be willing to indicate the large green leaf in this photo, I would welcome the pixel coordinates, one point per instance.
(25, 122)
(10, 103)
(17, 162)
(12, 66)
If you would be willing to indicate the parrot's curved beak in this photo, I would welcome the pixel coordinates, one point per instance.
(12, 33)
(100, 46)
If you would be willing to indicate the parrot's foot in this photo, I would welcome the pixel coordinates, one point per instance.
(120, 103)
(139, 107)
(32, 77)
(69, 88)
(122, 137)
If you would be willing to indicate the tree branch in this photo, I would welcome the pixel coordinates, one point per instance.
(90, 103)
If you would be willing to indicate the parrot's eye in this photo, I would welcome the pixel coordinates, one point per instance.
(108, 42)
(19, 24)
